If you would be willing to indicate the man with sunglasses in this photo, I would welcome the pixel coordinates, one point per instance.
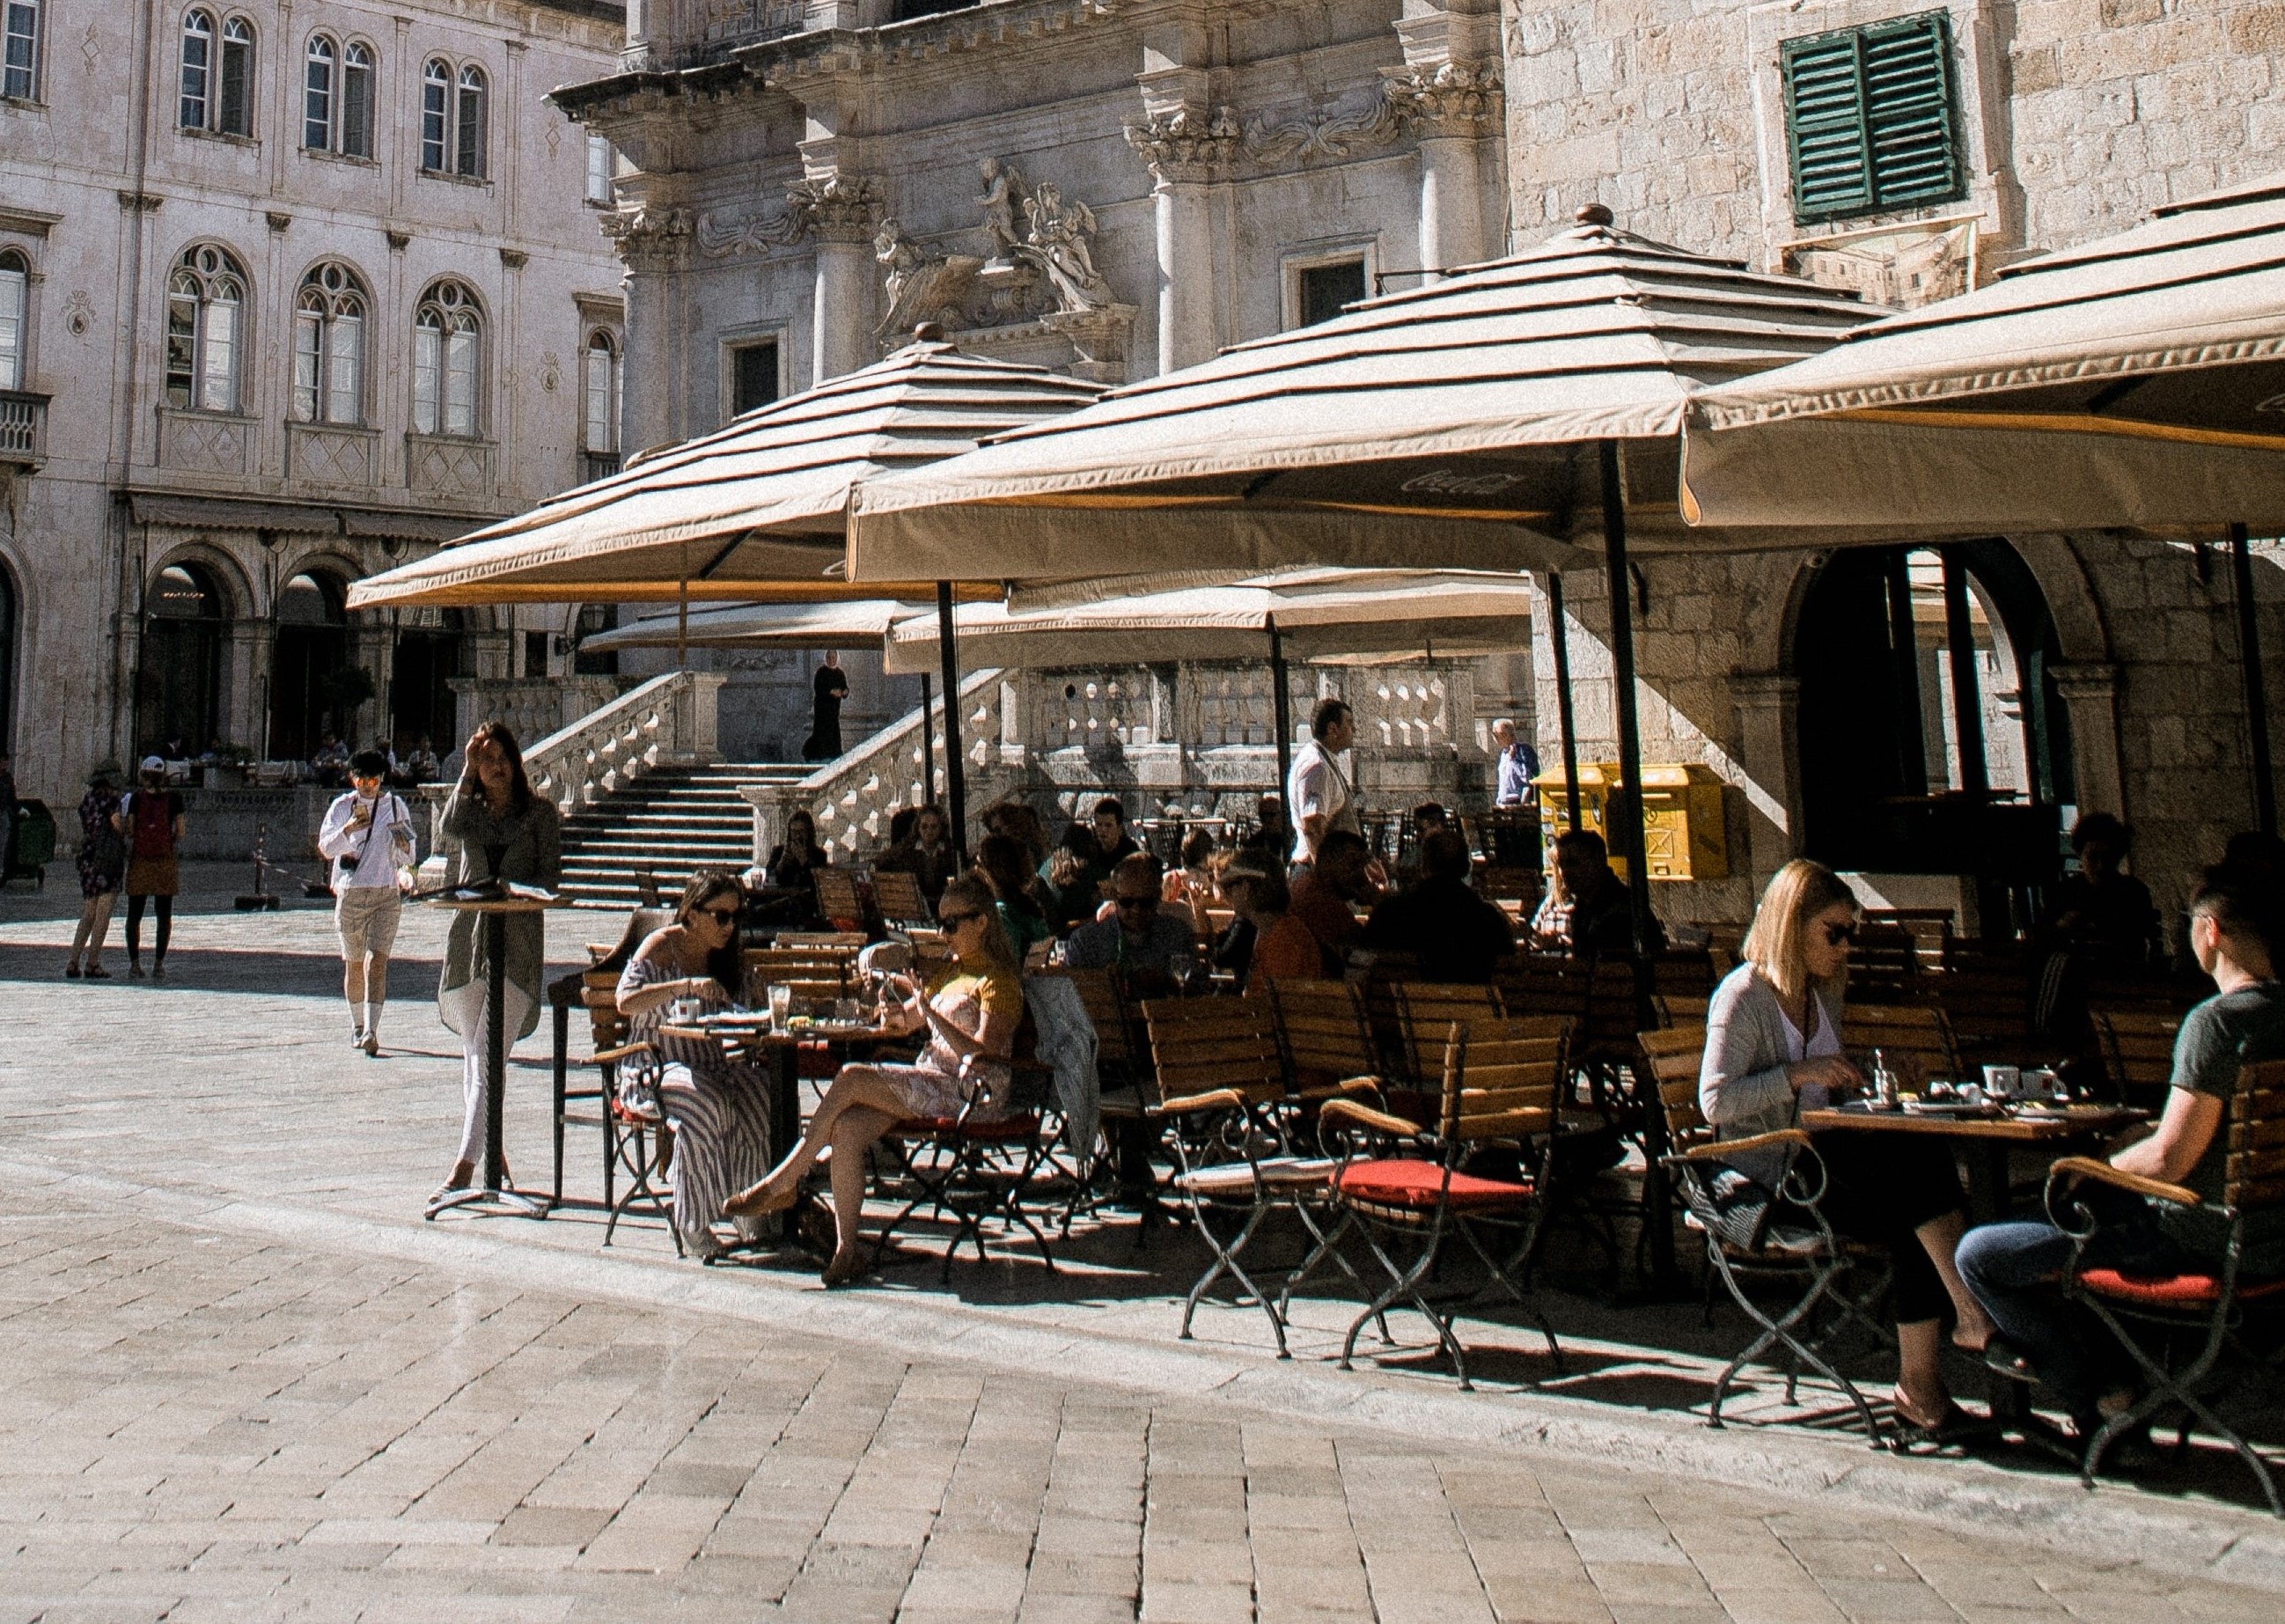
(1145, 939)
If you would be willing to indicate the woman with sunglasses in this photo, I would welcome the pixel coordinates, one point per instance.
(1773, 1029)
(718, 1106)
(970, 1011)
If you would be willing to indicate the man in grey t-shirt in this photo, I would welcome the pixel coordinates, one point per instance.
(2015, 1268)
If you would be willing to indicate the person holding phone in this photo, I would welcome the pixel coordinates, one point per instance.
(367, 834)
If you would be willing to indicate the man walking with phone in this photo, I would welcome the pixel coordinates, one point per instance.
(368, 835)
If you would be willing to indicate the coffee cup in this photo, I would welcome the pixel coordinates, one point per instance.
(2003, 1082)
(1969, 1094)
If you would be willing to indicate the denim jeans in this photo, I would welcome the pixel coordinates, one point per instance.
(2015, 1270)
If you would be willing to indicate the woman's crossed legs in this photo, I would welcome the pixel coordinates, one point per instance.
(861, 1104)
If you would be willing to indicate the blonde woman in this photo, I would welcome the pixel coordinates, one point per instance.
(970, 1012)
(1772, 1030)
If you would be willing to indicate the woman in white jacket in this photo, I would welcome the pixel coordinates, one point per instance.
(368, 836)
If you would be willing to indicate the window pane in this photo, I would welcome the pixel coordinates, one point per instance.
(345, 372)
(460, 383)
(471, 154)
(428, 363)
(197, 48)
(236, 116)
(435, 90)
(308, 336)
(357, 103)
(317, 95)
(597, 430)
(20, 50)
(600, 164)
(11, 328)
(218, 355)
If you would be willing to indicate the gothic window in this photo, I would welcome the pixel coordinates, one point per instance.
(317, 92)
(329, 347)
(15, 287)
(1871, 119)
(354, 129)
(206, 300)
(600, 394)
(447, 357)
(20, 50)
(469, 155)
(217, 78)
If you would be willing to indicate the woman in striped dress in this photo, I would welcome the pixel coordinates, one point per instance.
(719, 1107)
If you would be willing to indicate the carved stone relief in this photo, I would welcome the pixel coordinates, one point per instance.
(649, 238)
(1186, 142)
(1453, 99)
(1038, 264)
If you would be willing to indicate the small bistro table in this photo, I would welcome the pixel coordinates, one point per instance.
(1993, 1133)
(490, 1190)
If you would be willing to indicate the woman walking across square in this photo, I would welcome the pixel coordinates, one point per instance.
(368, 835)
(102, 862)
(150, 818)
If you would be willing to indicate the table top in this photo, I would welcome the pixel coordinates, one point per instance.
(497, 904)
(2028, 1128)
(756, 1030)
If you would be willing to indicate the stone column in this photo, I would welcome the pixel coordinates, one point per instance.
(1183, 145)
(842, 211)
(1450, 90)
(1452, 211)
(2090, 696)
(653, 244)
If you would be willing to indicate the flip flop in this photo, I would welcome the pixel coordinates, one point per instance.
(2009, 1361)
(1957, 1427)
(756, 1203)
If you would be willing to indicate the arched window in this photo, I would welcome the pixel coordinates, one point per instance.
(318, 91)
(470, 155)
(205, 299)
(329, 347)
(600, 396)
(447, 357)
(20, 50)
(356, 123)
(234, 109)
(198, 70)
(15, 285)
(217, 80)
(436, 113)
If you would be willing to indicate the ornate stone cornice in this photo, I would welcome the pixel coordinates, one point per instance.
(1452, 99)
(837, 207)
(650, 238)
(1187, 143)
(726, 236)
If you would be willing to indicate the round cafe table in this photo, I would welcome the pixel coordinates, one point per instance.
(491, 1193)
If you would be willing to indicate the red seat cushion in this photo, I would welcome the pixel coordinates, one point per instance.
(2171, 1291)
(1403, 1183)
(989, 1130)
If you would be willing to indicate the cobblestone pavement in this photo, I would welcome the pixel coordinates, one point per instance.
(244, 1384)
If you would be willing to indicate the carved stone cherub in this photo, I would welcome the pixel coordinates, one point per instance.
(1003, 186)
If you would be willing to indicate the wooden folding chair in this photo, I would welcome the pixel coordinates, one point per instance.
(1425, 1011)
(1914, 1039)
(1749, 1239)
(974, 1166)
(2137, 1053)
(2203, 1309)
(1987, 1002)
(897, 895)
(1323, 1035)
(840, 901)
(1399, 1177)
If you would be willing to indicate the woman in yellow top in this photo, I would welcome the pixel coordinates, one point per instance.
(970, 1013)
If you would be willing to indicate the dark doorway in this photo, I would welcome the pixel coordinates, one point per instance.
(7, 660)
(306, 698)
(430, 649)
(178, 681)
(595, 619)
(1933, 740)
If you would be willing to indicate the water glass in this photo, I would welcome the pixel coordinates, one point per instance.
(780, 1008)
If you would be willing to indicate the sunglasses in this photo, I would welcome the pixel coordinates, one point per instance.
(953, 921)
(1835, 935)
(721, 916)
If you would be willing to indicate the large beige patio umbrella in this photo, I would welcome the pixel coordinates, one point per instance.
(2137, 381)
(755, 511)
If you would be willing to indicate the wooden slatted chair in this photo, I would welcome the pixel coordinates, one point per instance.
(2137, 1052)
(840, 897)
(2200, 1308)
(1129, 1096)
(898, 895)
(595, 990)
(976, 1166)
(1425, 1011)
(1986, 999)
(1399, 1177)
(1323, 1035)
(1749, 1239)
(1220, 1077)
(1914, 1039)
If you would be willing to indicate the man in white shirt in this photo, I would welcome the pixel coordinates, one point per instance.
(368, 835)
(1318, 791)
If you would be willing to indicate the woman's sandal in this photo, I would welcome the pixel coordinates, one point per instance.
(847, 1266)
(1955, 1426)
(2009, 1359)
(95, 972)
(759, 1202)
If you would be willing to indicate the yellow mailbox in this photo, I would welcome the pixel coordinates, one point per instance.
(1685, 835)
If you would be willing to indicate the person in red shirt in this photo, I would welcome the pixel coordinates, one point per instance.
(1326, 897)
(1281, 947)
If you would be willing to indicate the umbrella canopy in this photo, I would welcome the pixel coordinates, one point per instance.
(1455, 423)
(751, 512)
(861, 624)
(1317, 614)
(2136, 381)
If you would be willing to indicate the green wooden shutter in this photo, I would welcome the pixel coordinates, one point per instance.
(1871, 118)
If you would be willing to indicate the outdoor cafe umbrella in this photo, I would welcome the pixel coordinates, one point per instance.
(2135, 382)
(1302, 614)
(1481, 421)
(753, 512)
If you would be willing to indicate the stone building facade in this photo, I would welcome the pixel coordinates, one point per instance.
(1728, 128)
(1110, 189)
(287, 288)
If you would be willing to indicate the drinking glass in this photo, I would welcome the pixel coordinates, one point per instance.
(780, 1008)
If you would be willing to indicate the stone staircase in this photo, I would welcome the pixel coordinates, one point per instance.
(667, 822)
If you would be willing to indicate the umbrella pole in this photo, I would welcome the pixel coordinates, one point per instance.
(1281, 703)
(955, 785)
(2257, 697)
(1629, 832)
(1567, 722)
(928, 737)
(682, 625)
